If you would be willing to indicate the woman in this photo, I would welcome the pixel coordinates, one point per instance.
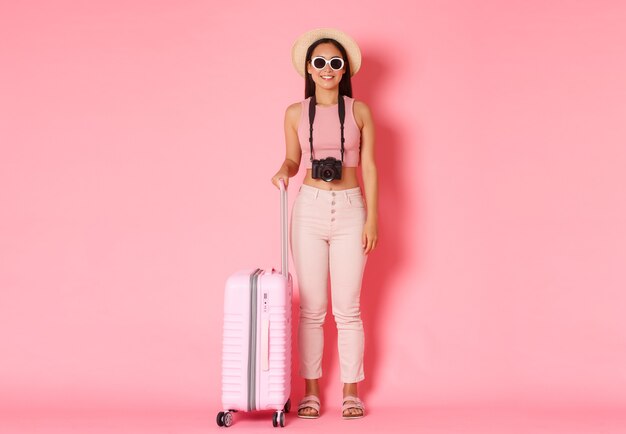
(331, 228)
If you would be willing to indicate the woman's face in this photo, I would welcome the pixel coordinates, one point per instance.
(326, 78)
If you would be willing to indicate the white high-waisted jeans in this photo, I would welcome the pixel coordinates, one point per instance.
(326, 232)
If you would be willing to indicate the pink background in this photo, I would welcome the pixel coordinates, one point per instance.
(138, 139)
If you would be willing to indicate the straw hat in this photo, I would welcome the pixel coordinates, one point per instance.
(304, 41)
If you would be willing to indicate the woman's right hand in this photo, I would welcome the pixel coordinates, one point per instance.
(280, 174)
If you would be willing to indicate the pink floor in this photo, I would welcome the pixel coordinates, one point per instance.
(379, 420)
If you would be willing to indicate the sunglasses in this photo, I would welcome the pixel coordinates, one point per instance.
(319, 63)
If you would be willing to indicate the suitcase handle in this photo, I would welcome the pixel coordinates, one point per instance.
(284, 257)
(265, 344)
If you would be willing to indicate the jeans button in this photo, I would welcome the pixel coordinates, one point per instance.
(332, 211)
(333, 193)
(332, 219)
(333, 202)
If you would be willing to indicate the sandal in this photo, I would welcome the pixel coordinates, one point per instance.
(309, 401)
(350, 402)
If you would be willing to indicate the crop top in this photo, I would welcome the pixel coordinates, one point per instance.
(327, 134)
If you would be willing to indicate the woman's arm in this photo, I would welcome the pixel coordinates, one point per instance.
(370, 175)
(293, 153)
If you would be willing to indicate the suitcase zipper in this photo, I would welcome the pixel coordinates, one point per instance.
(252, 347)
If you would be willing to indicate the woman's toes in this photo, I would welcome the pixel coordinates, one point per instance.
(353, 412)
(308, 411)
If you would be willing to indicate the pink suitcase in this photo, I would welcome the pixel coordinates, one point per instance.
(256, 346)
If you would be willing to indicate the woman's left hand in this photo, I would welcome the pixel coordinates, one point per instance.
(370, 236)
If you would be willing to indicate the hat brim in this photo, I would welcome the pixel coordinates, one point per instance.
(304, 41)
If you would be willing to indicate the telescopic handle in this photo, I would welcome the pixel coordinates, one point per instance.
(284, 254)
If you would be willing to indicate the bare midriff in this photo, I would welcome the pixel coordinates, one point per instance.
(348, 180)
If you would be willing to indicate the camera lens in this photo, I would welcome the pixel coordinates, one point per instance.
(328, 174)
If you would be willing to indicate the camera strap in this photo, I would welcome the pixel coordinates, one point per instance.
(341, 107)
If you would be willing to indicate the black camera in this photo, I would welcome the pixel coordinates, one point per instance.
(326, 169)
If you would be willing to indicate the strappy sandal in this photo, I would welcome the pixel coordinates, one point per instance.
(309, 401)
(350, 402)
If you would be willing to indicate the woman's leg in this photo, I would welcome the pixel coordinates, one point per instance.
(312, 273)
(309, 243)
(347, 263)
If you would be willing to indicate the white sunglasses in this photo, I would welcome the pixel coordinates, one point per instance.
(319, 63)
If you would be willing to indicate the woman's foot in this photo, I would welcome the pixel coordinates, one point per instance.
(309, 407)
(353, 407)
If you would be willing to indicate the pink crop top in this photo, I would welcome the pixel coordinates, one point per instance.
(327, 134)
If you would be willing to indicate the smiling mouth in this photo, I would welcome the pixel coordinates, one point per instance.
(327, 77)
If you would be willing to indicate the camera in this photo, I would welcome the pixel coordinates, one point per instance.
(326, 169)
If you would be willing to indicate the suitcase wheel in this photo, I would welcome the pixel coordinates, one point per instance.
(278, 419)
(224, 419)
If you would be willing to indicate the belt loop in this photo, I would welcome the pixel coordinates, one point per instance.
(317, 192)
(345, 193)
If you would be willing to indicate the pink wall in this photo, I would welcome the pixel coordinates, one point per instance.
(137, 143)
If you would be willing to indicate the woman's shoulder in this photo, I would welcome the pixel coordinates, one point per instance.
(295, 106)
(293, 112)
(360, 105)
(361, 112)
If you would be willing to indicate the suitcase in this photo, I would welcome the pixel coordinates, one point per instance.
(256, 343)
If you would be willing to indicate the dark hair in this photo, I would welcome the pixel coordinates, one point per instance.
(345, 85)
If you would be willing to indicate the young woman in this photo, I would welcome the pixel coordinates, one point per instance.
(332, 228)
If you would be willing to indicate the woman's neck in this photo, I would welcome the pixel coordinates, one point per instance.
(326, 97)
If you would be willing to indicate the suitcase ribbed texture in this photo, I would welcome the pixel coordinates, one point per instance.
(280, 359)
(233, 354)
